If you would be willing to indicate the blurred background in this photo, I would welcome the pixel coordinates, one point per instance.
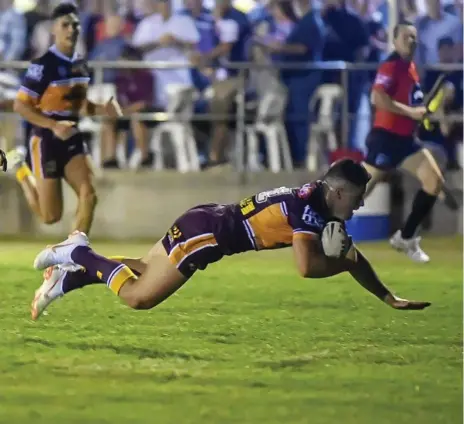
(237, 96)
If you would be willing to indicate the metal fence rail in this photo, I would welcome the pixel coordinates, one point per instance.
(345, 68)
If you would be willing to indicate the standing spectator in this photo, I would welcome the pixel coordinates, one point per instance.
(347, 40)
(435, 25)
(204, 22)
(112, 8)
(206, 27)
(111, 47)
(233, 33)
(260, 14)
(284, 22)
(161, 36)
(12, 32)
(304, 43)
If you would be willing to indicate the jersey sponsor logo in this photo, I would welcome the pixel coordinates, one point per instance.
(35, 72)
(382, 79)
(416, 96)
(265, 195)
(312, 218)
(174, 234)
(247, 206)
(305, 191)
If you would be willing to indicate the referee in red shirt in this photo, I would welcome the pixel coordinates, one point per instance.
(398, 101)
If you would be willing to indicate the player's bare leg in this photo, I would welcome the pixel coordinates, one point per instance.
(424, 167)
(78, 175)
(59, 280)
(159, 279)
(43, 195)
(376, 176)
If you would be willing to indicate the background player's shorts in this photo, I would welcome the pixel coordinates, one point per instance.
(386, 150)
(47, 155)
(191, 242)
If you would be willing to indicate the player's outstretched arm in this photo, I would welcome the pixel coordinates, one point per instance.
(364, 274)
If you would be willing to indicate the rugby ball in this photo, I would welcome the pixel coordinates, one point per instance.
(335, 240)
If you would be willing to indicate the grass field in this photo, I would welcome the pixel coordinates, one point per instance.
(246, 341)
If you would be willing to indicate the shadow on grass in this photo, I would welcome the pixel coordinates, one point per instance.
(139, 352)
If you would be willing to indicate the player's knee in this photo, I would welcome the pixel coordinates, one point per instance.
(140, 302)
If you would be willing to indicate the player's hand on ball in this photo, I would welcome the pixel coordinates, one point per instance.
(335, 240)
(404, 304)
(64, 129)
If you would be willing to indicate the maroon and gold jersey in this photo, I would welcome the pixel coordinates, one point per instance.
(56, 85)
(268, 220)
(272, 218)
(400, 80)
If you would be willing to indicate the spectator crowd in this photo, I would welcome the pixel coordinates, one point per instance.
(211, 37)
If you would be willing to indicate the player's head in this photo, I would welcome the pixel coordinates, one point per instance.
(446, 50)
(345, 183)
(66, 25)
(405, 39)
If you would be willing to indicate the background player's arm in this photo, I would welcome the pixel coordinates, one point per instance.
(32, 114)
(62, 129)
(381, 100)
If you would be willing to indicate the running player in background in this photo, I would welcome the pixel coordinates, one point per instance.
(391, 143)
(443, 134)
(205, 234)
(51, 98)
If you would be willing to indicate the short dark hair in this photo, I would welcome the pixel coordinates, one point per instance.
(348, 170)
(445, 41)
(64, 9)
(402, 22)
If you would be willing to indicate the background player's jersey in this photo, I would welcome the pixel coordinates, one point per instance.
(272, 218)
(400, 80)
(56, 84)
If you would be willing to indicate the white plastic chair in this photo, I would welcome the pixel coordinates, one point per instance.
(100, 93)
(179, 131)
(327, 95)
(270, 123)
